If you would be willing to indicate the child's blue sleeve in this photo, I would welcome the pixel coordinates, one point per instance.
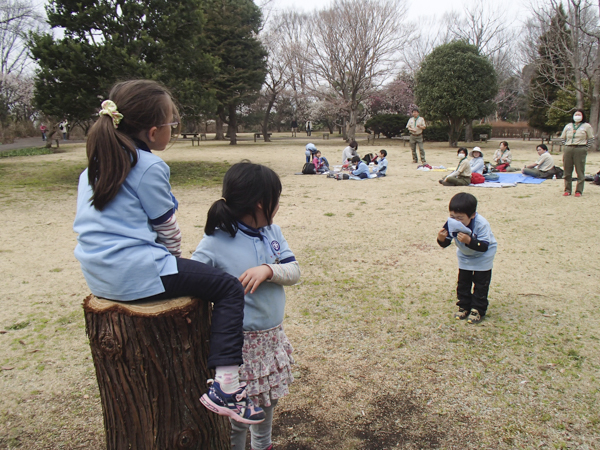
(204, 253)
(154, 192)
(280, 245)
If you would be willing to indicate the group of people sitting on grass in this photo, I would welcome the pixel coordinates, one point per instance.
(351, 161)
(501, 162)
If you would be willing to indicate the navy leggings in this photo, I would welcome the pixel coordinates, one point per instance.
(196, 279)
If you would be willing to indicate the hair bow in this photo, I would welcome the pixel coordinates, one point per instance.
(109, 108)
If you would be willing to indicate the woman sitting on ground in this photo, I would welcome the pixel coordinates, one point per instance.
(476, 162)
(543, 167)
(502, 158)
(462, 175)
(350, 151)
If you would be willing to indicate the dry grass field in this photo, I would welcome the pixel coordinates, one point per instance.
(381, 363)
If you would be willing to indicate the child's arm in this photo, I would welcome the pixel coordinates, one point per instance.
(169, 235)
(283, 274)
(442, 238)
(473, 243)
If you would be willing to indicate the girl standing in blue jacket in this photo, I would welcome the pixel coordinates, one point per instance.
(241, 239)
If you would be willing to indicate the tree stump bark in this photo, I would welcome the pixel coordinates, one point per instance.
(151, 366)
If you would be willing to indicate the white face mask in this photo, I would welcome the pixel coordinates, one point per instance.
(577, 118)
(461, 156)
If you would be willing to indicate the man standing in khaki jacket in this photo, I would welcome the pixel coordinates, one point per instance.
(416, 125)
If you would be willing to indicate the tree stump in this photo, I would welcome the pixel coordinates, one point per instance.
(151, 366)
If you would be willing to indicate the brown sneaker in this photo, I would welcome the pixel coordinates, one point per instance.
(474, 317)
(461, 314)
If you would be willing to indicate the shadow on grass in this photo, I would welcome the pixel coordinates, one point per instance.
(395, 421)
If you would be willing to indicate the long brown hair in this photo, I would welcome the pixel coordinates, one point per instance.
(111, 151)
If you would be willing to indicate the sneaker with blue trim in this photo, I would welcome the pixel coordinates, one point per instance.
(236, 405)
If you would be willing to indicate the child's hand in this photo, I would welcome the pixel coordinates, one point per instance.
(252, 278)
(442, 235)
(464, 238)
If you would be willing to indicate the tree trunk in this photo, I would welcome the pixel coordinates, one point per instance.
(151, 367)
(352, 124)
(219, 136)
(469, 131)
(454, 131)
(344, 129)
(232, 125)
(265, 125)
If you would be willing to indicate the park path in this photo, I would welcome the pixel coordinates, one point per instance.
(32, 142)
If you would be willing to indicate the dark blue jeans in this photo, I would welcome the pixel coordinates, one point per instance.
(196, 279)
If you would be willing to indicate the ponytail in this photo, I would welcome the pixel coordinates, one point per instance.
(110, 147)
(220, 216)
(245, 186)
(111, 155)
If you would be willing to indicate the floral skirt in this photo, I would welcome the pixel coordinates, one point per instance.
(267, 365)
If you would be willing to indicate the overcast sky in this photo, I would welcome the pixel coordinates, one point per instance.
(423, 8)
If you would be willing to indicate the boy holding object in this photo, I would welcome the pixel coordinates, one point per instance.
(476, 248)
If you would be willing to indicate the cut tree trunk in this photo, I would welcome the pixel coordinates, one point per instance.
(151, 366)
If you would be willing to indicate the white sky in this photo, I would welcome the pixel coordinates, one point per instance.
(423, 8)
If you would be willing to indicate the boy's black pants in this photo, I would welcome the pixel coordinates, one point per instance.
(477, 297)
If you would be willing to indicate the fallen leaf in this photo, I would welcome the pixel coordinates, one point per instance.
(22, 343)
(2, 331)
(7, 368)
(35, 350)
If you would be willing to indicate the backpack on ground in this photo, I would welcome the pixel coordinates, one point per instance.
(558, 172)
(477, 178)
(309, 169)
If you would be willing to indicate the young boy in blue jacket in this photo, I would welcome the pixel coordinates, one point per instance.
(362, 170)
(476, 248)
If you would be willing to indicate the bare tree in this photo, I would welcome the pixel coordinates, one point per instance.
(17, 17)
(353, 46)
(488, 29)
(431, 32)
(278, 74)
(572, 62)
(293, 29)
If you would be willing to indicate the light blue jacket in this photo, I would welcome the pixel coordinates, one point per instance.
(250, 248)
(117, 247)
(361, 169)
(469, 259)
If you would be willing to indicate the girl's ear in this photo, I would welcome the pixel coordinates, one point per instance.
(151, 133)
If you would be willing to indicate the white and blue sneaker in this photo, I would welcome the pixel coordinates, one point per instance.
(236, 405)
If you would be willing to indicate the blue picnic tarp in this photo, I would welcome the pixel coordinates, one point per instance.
(516, 178)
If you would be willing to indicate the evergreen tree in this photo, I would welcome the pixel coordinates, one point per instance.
(456, 83)
(106, 41)
(231, 30)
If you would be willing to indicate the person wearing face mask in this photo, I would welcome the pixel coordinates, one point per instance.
(577, 138)
(462, 175)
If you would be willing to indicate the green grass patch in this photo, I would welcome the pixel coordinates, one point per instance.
(47, 175)
(18, 325)
(52, 175)
(30, 151)
(197, 173)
